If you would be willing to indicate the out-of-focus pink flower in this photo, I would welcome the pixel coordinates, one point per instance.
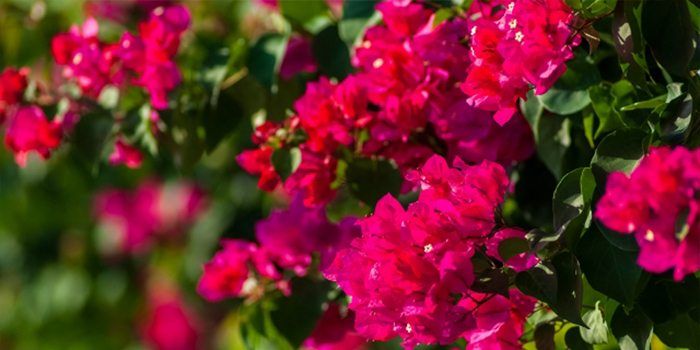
(227, 273)
(298, 57)
(154, 210)
(658, 202)
(30, 131)
(126, 154)
(335, 332)
(169, 324)
(13, 82)
(258, 162)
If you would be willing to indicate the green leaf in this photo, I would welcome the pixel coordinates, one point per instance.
(588, 115)
(609, 270)
(544, 337)
(331, 54)
(369, 180)
(682, 332)
(629, 43)
(90, 135)
(568, 201)
(213, 71)
(569, 94)
(109, 97)
(220, 119)
(491, 281)
(569, 288)
(540, 282)
(553, 140)
(620, 151)
(356, 17)
(674, 120)
(669, 32)
(286, 161)
(632, 330)
(511, 247)
(656, 302)
(603, 103)
(265, 59)
(597, 332)
(574, 341)
(302, 11)
(295, 316)
(442, 15)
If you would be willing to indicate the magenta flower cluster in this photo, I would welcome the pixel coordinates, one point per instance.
(410, 272)
(518, 44)
(406, 92)
(659, 203)
(287, 240)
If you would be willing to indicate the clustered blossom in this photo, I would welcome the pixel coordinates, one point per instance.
(659, 203)
(27, 128)
(94, 64)
(409, 274)
(404, 104)
(286, 241)
(525, 43)
(169, 324)
(335, 332)
(135, 219)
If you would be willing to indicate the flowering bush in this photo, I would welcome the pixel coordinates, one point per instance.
(350, 174)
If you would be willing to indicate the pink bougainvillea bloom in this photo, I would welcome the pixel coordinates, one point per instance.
(126, 154)
(520, 262)
(335, 332)
(410, 272)
(658, 203)
(226, 274)
(298, 57)
(257, 162)
(30, 131)
(136, 219)
(13, 82)
(527, 42)
(169, 324)
(313, 179)
(499, 321)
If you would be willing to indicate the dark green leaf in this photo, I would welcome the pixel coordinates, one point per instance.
(511, 247)
(569, 288)
(331, 54)
(492, 281)
(597, 332)
(633, 330)
(568, 202)
(221, 119)
(295, 317)
(90, 135)
(540, 282)
(674, 123)
(369, 180)
(213, 72)
(553, 140)
(286, 161)
(265, 59)
(574, 341)
(628, 40)
(620, 151)
(356, 16)
(538, 239)
(544, 337)
(302, 11)
(609, 270)
(668, 31)
(569, 94)
(682, 332)
(656, 302)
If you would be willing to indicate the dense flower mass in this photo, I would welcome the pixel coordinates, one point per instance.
(94, 64)
(409, 274)
(659, 203)
(30, 131)
(404, 104)
(287, 240)
(135, 219)
(525, 43)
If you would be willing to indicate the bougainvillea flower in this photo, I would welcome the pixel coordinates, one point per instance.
(257, 162)
(13, 82)
(298, 57)
(30, 131)
(410, 272)
(658, 203)
(126, 154)
(335, 332)
(169, 324)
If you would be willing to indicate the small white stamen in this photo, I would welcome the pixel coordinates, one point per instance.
(126, 43)
(159, 11)
(513, 23)
(428, 248)
(519, 36)
(473, 30)
(378, 63)
(77, 58)
(408, 328)
(649, 236)
(511, 6)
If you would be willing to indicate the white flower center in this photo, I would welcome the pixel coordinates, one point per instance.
(519, 36)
